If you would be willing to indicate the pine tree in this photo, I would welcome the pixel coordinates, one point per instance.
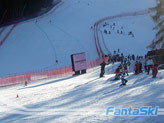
(159, 19)
(13, 9)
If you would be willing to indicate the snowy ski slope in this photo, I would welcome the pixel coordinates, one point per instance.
(81, 99)
(36, 44)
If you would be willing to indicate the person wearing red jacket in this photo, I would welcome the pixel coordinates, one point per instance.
(136, 68)
(154, 71)
(118, 73)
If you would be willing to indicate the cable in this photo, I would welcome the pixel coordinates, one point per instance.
(75, 39)
(50, 42)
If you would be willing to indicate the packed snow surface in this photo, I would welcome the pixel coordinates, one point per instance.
(35, 45)
(82, 98)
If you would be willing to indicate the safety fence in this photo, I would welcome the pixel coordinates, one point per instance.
(47, 74)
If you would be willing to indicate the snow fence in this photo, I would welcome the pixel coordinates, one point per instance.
(47, 74)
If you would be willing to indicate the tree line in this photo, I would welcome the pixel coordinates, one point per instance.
(159, 19)
(12, 9)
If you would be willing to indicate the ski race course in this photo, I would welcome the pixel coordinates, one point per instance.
(40, 50)
(96, 26)
(82, 98)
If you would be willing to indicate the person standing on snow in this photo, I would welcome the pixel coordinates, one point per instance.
(145, 67)
(122, 58)
(118, 73)
(140, 67)
(154, 71)
(126, 67)
(136, 68)
(123, 80)
(103, 64)
(149, 64)
(133, 57)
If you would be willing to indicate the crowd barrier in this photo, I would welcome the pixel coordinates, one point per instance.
(47, 74)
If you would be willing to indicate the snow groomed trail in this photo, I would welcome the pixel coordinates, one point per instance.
(43, 74)
(97, 23)
(34, 76)
(67, 27)
(81, 98)
(27, 19)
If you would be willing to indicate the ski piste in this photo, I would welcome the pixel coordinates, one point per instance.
(40, 48)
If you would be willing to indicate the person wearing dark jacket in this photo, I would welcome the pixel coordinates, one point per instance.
(145, 67)
(103, 64)
(136, 68)
(133, 57)
(140, 67)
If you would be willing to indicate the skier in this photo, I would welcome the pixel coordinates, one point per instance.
(154, 71)
(123, 80)
(145, 67)
(149, 64)
(109, 58)
(113, 59)
(128, 57)
(133, 57)
(126, 67)
(130, 33)
(118, 50)
(114, 52)
(118, 73)
(105, 31)
(136, 68)
(117, 57)
(26, 81)
(102, 68)
(121, 58)
(140, 67)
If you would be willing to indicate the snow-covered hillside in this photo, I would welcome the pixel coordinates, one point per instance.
(36, 44)
(81, 99)
(130, 34)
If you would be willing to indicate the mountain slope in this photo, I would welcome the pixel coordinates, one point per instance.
(36, 44)
(82, 98)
